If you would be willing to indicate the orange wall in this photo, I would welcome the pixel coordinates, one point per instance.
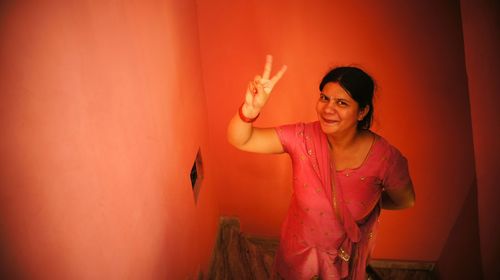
(415, 52)
(102, 111)
(481, 20)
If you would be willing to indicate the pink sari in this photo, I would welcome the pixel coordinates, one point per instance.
(317, 241)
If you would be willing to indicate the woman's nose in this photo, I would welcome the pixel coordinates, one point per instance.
(330, 107)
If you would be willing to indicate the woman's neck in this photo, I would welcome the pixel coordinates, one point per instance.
(344, 141)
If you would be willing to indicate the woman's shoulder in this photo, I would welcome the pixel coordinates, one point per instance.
(385, 148)
(299, 126)
(297, 132)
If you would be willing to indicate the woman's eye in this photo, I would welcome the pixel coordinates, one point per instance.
(323, 97)
(341, 103)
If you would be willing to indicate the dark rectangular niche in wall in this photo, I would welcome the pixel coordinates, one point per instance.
(196, 175)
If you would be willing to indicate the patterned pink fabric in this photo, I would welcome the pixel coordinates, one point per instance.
(312, 233)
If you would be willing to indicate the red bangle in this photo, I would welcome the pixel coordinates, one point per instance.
(244, 118)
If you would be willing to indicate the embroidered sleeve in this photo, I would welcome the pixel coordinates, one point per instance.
(397, 174)
(290, 136)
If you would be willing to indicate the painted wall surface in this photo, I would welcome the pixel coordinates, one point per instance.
(481, 20)
(414, 50)
(102, 111)
(461, 255)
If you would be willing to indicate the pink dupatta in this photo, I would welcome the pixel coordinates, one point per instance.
(351, 258)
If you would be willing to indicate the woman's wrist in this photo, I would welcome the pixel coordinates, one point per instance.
(246, 114)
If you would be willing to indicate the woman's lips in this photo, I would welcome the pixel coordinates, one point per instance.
(330, 121)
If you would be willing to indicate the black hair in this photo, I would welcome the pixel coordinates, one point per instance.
(359, 86)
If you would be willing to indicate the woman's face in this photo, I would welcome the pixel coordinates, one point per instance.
(337, 111)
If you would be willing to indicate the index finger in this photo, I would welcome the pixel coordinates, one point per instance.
(267, 67)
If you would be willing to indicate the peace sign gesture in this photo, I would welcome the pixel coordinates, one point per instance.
(260, 88)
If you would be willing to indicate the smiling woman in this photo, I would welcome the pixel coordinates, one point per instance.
(353, 89)
(343, 175)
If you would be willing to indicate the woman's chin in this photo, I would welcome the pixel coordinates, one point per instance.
(328, 128)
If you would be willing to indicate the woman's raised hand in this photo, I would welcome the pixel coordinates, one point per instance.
(241, 132)
(260, 88)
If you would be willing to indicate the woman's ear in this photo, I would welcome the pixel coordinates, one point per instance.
(363, 112)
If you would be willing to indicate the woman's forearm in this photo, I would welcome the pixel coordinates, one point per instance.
(389, 204)
(238, 131)
(401, 199)
(246, 137)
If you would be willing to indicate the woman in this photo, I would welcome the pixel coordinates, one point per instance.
(343, 174)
